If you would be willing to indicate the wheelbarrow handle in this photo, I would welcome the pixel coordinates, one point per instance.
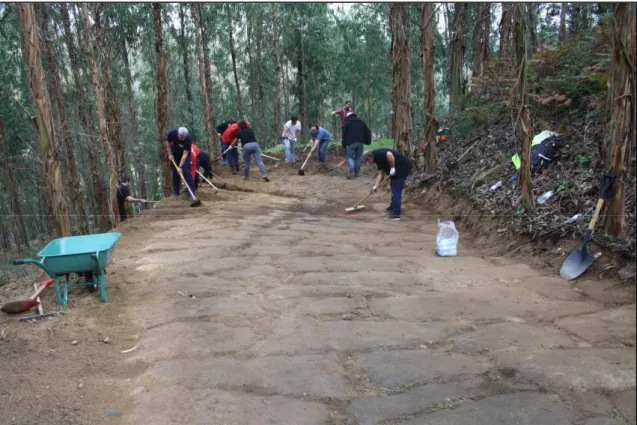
(18, 262)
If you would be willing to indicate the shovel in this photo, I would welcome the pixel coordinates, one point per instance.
(358, 206)
(454, 164)
(207, 181)
(16, 307)
(195, 202)
(302, 171)
(580, 259)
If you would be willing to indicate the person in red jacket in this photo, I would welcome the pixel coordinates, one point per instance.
(227, 138)
(342, 112)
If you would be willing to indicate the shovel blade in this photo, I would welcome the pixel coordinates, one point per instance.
(452, 165)
(16, 307)
(301, 172)
(576, 264)
(195, 203)
(354, 209)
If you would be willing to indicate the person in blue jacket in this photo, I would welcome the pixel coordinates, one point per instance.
(322, 138)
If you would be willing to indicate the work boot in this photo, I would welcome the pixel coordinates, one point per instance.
(350, 175)
(388, 209)
(266, 179)
(392, 217)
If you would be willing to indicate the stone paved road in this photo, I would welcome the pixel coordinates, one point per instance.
(304, 316)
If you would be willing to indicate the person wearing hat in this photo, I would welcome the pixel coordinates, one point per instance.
(179, 145)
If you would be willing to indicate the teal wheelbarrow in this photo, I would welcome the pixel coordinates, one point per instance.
(86, 255)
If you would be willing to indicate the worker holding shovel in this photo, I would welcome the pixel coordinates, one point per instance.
(322, 138)
(179, 147)
(124, 196)
(397, 166)
(250, 148)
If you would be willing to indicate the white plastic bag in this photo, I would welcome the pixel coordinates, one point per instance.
(447, 239)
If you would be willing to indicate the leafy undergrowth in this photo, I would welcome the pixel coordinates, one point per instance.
(567, 94)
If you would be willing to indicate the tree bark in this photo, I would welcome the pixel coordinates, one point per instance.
(403, 117)
(561, 38)
(430, 156)
(207, 71)
(162, 92)
(277, 76)
(99, 198)
(302, 86)
(233, 54)
(505, 32)
(260, 86)
(186, 66)
(457, 52)
(521, 111)
(210, 131)
(19, 229)
(621, 141)
(72, 180)
(44, 117)
(101, 118)
(286, 94)
(476, 38)
(531, 13)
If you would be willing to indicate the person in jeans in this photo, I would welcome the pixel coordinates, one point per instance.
(179, 144)
(355, 135)
(220, 129)
(227, 137)
(322, 137)
(289, 133)
(250, 148)
(397, 166)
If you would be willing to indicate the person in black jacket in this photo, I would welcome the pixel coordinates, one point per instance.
(355, 135)
(397, 166)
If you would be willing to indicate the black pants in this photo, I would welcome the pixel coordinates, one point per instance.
(203, 161)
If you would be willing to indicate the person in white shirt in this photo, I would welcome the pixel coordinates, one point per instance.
(289, 133)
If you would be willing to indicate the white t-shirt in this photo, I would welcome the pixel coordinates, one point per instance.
(291, 130)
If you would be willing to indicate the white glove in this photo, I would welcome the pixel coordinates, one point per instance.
(392, 172)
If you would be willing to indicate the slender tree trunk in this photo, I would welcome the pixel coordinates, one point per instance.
(210, 131)
(505, 32)
(72, 180)
(260, 89)
(476, 38)
(252, 77)
(561, 38)
(277, 75)
(457, 51)
(430, 156)
(486, 35)
(101, 118)
(186, 65)
(525, 128)
(162, 93)
(286, 94)
(207, 71)
(531, 13)
(403, 117)
(19, 229)
(233, 54)
(43, 116)
(302, 75)
(621, 142)
(99, 198)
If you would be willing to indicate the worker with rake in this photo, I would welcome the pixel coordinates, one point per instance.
(322, 138)
(179, 145)
(397, 166)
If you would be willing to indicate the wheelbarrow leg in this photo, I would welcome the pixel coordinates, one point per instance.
(67, 281)
(58, 292)
(102, 287)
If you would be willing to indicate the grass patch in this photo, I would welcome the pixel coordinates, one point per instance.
(275, 149)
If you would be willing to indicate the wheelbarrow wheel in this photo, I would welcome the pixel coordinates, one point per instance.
(88, 277)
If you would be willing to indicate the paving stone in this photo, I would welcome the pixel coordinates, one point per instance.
(625, 403)
(374, 410)
(312, 376)
(607, 326)
(511, 336)
(398, 368)
(305, 335)
(176, 404)
(523, 408)
(592, 369)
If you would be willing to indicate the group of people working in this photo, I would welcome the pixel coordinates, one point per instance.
(235, 136)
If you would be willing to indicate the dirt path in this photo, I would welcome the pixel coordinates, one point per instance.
(275, 308)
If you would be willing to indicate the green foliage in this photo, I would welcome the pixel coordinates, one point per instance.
(584, 160)
(564, 185)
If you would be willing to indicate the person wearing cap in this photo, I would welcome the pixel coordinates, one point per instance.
(124, 196)
(397, 166)
(179, 144)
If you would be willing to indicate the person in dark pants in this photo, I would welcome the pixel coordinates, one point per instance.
(227, 138)
(397, 166)
(220, 129)
(322, 138)
(203, 162)
(179, 146)
(124, 196)
(355, 135)
(250, 148)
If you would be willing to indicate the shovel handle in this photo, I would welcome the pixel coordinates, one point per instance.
(308, 156)
(43, 286)
(183, 179)
(598, 209)
(207, 181)
(467, 151)
(18, 262)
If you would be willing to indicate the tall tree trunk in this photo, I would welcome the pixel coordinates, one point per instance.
(403, 118)
(207, 71)
(72, 180)
(19, 229)
(430, 156)
(486, 35)
(505, 32)
(162, 93)
(210, 131)
(523, 118)
(621, 141)
(101, 118)
(302, 86)
(252, 77)
(186, 65)
(233, 54)
(277, 75)
(286, 94)
(457, 51)
(260, 86)
(137, 154)
(99, 198)
(113, 124)
(476, 38)
(43, 116)
(561, 38)
(531, 13)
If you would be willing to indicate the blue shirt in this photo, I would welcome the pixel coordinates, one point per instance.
(322, 135)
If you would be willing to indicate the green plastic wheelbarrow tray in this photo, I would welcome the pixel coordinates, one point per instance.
(88, 255)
